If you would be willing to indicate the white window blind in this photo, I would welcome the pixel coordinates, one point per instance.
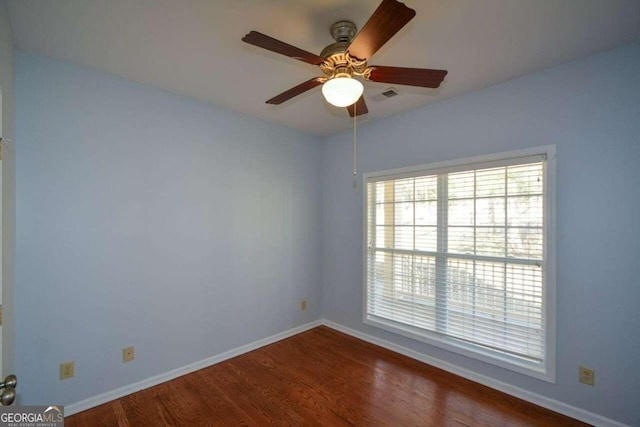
(458, 254)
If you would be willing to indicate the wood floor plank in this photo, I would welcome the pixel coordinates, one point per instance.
(223, 410)
(350, 393)
(288, 392)
(320, 378)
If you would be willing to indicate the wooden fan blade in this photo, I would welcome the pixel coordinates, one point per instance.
(407, 76)
(385, 22)
(295, 91)
(261, 40)
(360, 107)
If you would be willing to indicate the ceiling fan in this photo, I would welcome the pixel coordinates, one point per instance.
(347, 58)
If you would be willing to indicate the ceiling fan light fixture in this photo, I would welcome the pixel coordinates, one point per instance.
(342, 91)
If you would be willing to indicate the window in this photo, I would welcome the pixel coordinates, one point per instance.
(460, 255)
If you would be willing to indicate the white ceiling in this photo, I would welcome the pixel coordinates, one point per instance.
(194, 47)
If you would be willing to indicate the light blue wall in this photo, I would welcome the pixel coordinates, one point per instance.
(591, 110)
(152, 220)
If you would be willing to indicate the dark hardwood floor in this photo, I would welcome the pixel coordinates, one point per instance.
(320, 377)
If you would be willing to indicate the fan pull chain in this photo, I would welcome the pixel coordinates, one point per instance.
(355, 147)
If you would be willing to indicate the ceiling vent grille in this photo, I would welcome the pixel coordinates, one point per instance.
(385, 94)
(389, 93)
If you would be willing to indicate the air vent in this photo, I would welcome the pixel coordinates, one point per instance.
(382, 96)
(389, 93)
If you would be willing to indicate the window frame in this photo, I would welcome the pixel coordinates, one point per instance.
(544, 370)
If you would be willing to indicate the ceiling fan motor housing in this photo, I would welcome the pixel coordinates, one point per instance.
(343, 31)
(336, 59)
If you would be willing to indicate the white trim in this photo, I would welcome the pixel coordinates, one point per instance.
(92, 402)
(488, 160)
(460, 347)
(550, 261)
(537, 399)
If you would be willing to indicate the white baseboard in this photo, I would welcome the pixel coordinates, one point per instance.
(537, 399)
(161, 378)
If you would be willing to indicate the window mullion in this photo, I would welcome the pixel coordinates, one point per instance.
(441, 258)
(475, 249)
(389, 235)
(506, 253)
(413, 256)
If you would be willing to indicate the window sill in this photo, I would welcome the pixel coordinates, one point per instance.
(539, 371)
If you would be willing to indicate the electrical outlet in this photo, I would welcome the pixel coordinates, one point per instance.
(303, 305)
(586, 375)
(67, 370)
(128, 354)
